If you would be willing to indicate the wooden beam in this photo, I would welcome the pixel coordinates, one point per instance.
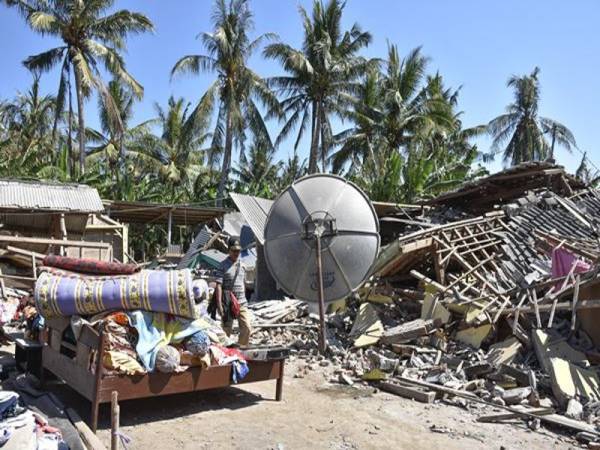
(44, 241)
(91, 441)
(563, 306)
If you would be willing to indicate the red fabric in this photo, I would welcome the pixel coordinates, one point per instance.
(88, 265)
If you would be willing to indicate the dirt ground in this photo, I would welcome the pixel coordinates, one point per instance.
(315, 413)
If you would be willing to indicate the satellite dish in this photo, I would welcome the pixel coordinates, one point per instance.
(326, 213)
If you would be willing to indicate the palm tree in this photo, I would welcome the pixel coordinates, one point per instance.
(394, 109)
(257, 171)
(116, 136)
(90, 35)
(291, 170)
(237, 87)
(585, 173)
(177, 154)
(523, 128)
(357, 142)
(27, 123)
(320, 76)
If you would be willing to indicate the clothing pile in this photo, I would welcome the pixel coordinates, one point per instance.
(23, 429)
(139, 342)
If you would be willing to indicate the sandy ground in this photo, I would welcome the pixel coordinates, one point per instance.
(314, 414)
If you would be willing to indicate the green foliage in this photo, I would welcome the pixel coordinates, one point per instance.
(523, 131)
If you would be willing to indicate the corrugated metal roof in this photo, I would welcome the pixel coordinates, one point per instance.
(255, 211)
(36, 195)
(200, 241)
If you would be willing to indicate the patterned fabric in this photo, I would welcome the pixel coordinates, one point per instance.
(89, 265)
(66, 294)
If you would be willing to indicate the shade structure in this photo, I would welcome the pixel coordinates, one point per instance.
(344, 216)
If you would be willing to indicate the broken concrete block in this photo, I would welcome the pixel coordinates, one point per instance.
(474, 336)
(504, 352)
(569, 381)
(433, 309)
(549, 346)
(574, 409)
(516, 396)
(367, 328)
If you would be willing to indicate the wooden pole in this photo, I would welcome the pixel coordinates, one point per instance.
(169, 226)
(114, 421)
(322, 333)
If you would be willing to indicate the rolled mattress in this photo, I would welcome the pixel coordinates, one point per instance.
(65, 294)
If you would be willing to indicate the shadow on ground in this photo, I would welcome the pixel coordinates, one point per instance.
(148, 410)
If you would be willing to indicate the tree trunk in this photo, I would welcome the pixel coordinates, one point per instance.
(551, 156)
(323, 143)
(226, 159)
(314, 144)
(70, 164)
(79, 92)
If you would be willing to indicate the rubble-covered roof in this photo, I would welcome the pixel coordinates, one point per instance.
(24, 195)
(483, 194)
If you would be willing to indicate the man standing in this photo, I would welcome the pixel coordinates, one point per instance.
(230, 279)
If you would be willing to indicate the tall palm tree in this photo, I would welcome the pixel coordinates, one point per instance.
(91, 34)
(116, 135)
(320, 76)
(394, 109)
(177, 153)
(523, 128)
(236, 89)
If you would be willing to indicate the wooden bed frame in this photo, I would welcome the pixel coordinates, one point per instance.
(97, 387)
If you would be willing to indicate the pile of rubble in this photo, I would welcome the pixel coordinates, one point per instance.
(498, 308)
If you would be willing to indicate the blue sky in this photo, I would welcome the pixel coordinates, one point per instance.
(474, 44)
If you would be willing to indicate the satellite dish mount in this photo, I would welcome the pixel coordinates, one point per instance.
(315, 227)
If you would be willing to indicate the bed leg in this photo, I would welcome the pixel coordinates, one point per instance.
(279, 386)
(95, 408)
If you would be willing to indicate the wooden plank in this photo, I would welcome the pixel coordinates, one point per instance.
(493, 418)
(408, 391)
(89, 337)
(575, 300)
(24, 252)
(65, 368)
(57, 242)
(91, 441)
(563, 306)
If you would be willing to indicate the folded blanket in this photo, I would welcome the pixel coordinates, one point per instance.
(89, 265)
(66, 294)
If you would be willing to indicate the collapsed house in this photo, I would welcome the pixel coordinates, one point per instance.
(489, 293)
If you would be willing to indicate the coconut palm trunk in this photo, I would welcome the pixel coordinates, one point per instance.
(70, 163)
(79, 92)
(226, 158)
(314, 145)
(551, 156)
